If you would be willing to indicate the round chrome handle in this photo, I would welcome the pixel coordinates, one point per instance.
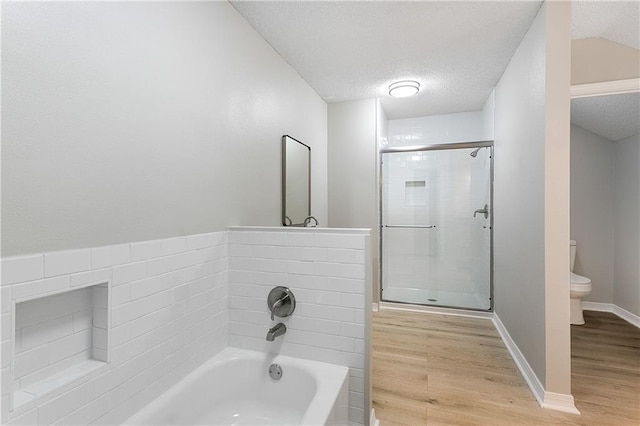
(281, 302)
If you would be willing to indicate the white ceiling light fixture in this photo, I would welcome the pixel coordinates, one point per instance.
(404, 88)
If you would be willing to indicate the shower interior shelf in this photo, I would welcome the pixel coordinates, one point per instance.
(57, 341)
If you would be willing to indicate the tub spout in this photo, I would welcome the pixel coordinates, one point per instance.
(275, 331)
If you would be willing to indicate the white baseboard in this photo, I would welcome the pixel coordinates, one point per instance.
(559, 402)
(373, 421)
(626, 315)
(610, 307)
(524, 367)
(597, 306)
(550, 400)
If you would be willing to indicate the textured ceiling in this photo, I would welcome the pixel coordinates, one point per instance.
(354, 50)
(457, 50)
(613, 117)
(617, 21)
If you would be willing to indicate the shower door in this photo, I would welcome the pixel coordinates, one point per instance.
(436, 225)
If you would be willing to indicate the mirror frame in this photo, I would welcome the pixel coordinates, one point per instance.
(286, 221)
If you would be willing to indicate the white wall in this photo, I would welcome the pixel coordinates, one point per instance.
(133, 121)
(532, 199)
(488, 116)
(326, 271)
(437, 129)
(592, 210)
(627, 224)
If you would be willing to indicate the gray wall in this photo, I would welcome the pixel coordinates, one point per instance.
(519, 245)
(382, 135)
(627, 224)
(592, 210)
(352, 165)
(532, 113)
(605, 216)
(133, 121)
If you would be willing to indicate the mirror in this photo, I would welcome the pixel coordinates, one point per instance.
(296, 182)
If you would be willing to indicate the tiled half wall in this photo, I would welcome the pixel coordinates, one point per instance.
(329, 275)
(168, 313)
(172, 304)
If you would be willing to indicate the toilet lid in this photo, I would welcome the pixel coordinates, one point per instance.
(579, 279)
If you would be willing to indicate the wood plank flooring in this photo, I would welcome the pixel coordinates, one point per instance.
(431, 369)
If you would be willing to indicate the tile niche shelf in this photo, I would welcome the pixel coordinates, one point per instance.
(57, 340)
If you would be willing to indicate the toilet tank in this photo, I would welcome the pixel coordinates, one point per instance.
(572, 250)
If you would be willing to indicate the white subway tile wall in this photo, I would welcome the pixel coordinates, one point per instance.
(169, 313)
(174, 304)
(22, 268)
(327, 272)
(66, 262)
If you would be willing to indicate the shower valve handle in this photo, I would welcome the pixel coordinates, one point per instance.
(281, 302)
(484, 211)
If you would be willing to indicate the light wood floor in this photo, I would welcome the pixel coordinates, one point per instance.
(446, 370)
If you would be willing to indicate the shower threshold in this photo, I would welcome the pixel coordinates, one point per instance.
(438, 298)
(431, 309)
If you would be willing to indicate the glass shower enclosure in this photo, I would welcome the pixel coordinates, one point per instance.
(437, 224)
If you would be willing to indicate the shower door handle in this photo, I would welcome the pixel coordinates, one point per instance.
(484, 211)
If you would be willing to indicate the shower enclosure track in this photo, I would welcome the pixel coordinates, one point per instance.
(436, 147)
(410, 226)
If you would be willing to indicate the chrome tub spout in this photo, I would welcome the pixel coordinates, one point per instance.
(275, 331)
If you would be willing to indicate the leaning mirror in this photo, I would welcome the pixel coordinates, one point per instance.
(296, 182)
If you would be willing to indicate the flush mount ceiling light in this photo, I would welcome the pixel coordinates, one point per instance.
(403, 89)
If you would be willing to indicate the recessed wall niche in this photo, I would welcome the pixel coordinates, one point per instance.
(415, 193)
(58, 339)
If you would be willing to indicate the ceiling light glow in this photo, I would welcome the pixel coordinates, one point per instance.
(403, 89)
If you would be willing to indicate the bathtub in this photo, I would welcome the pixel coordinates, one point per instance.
(235, 388)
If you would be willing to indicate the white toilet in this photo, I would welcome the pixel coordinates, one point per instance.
(580, 287)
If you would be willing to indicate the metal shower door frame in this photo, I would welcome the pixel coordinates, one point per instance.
(438, 147)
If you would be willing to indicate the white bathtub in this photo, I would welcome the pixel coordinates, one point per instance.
(234, 388)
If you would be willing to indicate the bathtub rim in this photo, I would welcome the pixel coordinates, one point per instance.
(327, 376)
